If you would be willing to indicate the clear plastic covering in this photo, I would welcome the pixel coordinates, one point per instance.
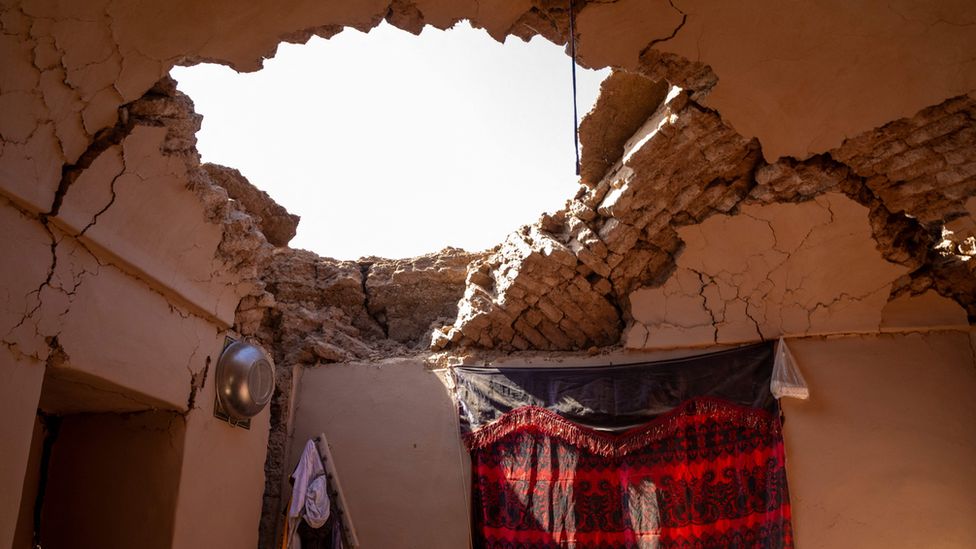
(787, 381)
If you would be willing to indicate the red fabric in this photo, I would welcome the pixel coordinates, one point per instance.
(708, 474)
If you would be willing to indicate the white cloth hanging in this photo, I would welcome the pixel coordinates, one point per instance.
(309, 496)
(317, 505)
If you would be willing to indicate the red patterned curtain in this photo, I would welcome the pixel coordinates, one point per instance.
(708, 473)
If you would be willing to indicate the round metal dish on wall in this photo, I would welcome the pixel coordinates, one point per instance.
(245, 382)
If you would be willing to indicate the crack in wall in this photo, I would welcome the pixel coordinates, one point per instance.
(107, 205)
(711, 314)
(51, 427)
(378, 316)
(71, 172)
(198, 381)
(44, 284)
(684, 19)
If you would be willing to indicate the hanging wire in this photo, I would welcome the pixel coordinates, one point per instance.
(572, 54)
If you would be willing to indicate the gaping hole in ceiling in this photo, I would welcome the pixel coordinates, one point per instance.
(393, 145)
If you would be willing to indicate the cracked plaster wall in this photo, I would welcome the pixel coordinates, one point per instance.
(69, 68)
(129, 261)
(688, 192)
(800, 62)
(20, 389)
(222, 477)
(130, 348)
(136, 264)
(778, 269)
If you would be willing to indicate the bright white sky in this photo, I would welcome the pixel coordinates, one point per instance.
(394, 145)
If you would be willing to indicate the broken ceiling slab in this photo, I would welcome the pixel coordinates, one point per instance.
(128, 197)
(276, 223)
(561, 284)
(773, 65)
(924, 165)
(626, 101)
(683, 166)
(624, 28)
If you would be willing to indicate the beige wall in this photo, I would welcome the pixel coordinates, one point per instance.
(220, 488)
(24, 536)
(20, 387)
(25, 250)
(884, 452)
(392, 430)
(212, 480)
(112, 481)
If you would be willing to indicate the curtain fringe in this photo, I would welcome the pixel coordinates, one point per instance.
(537, 419)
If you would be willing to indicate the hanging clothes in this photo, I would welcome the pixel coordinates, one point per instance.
(681, 453)
(309, 497)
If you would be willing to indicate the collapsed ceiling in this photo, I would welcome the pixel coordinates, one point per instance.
(749, 171)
